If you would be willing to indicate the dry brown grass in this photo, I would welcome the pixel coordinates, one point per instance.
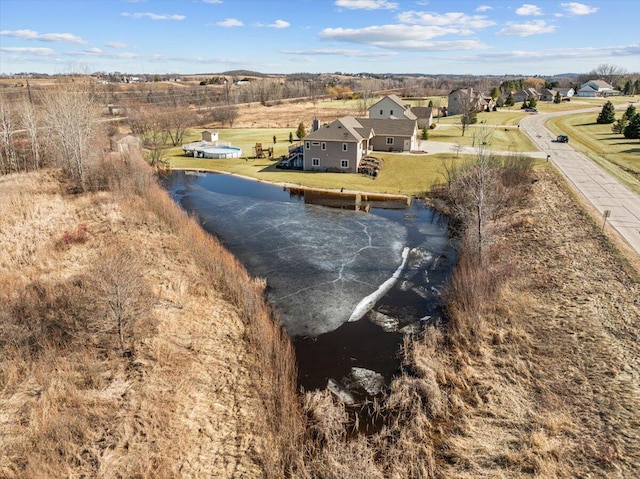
(208, 390)
(535, 372)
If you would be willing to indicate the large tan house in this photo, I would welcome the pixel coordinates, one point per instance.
(340, 145)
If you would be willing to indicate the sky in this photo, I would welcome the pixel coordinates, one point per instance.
(484, 37)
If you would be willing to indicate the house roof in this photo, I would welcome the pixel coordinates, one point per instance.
(601, 84)
(349, 129)
(422, 111)
(388, 127)
(346, 129)
(406, 109)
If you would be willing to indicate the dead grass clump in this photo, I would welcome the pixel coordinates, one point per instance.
(78, 235)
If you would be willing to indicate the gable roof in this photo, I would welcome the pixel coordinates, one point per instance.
(346, 129)
(422, 111)
(405, 108)
(388, 127)
(601, 84)
(349, 129)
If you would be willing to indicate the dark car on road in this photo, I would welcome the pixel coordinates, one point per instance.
(562, 139)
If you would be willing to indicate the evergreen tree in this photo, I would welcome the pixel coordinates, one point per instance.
(509, 101)
(632, 130)
(607, 115)
(290, 137)
(430, 105)
(557, 98)
(620, 124)
(495, 92)
(533, 102)
(500, 102)
(301, 132)
(524, 104)
(630, 112)
(425, 132)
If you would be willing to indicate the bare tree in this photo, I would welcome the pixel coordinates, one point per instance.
(30, 122)
(224, 114)
(474, 195)
(71, 118)
(607, 72)
(123, 296)
(150, 125)
(176, 121)
(8, 159)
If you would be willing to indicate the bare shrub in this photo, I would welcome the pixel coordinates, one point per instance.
(79, 235)
(122, 294)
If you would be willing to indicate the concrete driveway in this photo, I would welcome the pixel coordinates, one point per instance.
(601, 189)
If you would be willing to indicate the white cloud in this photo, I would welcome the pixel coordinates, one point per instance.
(153, 16)
(575, 8)
(528, 9)
(400, 37)
(562, 53)
(484, 8)
(30, 51)
(367, 4)
(43, 37)
(457, 19)
(116, 45)
(340, 52)
(279, 24)
(535, 27)
(230, 22)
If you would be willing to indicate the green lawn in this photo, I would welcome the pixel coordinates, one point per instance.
(400, 174)
(497, 138)
(245, 138)
(612, 151)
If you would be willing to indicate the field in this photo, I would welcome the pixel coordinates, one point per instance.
(611, 151)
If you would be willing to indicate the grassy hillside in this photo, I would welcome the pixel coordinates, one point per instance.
(201, 384)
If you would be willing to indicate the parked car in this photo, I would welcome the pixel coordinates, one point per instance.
(562, 139)
(531, 110)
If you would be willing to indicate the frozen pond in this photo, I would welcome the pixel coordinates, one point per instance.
(321, 262)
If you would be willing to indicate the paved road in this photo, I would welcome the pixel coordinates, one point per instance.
(598, 187)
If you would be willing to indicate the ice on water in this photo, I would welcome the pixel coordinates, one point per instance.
(319, 262)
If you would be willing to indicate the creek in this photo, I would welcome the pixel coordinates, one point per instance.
(320, 263)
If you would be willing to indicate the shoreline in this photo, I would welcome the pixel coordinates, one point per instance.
(296, 186)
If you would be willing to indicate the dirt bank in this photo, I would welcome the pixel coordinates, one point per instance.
(187, 396)
(556, 384)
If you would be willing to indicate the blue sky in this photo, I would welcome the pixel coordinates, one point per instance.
(380, 36)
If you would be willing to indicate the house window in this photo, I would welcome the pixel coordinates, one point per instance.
(323, 146)
(344, 163)
(389, 140)
(391, 112)
(381, 112)
(315, 143)
(344, 147)
(315, 161)
(308, 146)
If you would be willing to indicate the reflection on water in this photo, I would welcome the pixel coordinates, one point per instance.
(320, 262)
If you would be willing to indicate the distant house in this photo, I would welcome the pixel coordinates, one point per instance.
(464, 99)
(596, 88)
(526, 94)
(391, 106)
(566, 92)
(424, 115)
(341, 145)
(128, 143)
(547, 94)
